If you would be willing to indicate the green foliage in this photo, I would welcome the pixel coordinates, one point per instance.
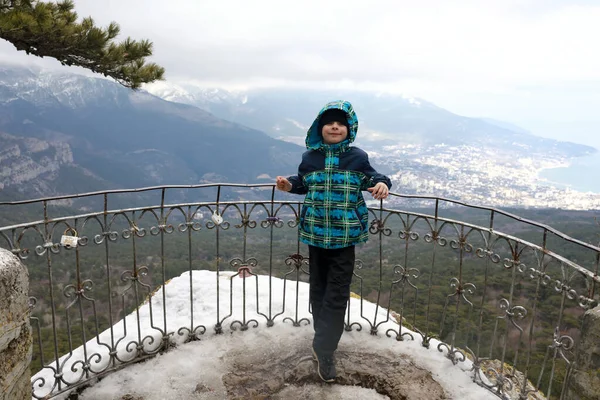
(47, 29)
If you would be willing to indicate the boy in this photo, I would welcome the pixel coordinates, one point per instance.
(333, 219)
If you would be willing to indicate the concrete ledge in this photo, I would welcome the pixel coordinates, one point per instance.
(15, 331)
(585, 383)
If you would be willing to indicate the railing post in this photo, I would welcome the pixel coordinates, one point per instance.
(15, 331)
(585, 383)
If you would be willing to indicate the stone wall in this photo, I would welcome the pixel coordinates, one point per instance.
(15, 331)
(585, 383)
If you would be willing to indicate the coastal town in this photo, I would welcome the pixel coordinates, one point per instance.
(481, 176)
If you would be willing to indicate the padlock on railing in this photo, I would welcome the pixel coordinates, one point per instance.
(69, 238)
(217, 219)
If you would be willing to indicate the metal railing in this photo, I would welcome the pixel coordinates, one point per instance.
(501, 292)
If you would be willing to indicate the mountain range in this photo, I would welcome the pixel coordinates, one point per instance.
(385, 119)
(65, 133)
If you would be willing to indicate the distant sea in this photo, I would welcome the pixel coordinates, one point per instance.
(583, 174)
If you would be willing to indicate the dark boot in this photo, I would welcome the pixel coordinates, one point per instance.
(325, 366)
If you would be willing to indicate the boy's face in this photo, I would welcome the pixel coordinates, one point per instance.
(334, 132)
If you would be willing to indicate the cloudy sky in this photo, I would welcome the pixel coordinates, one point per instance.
(531, 62)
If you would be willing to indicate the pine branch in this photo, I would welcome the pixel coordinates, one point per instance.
(47, 29)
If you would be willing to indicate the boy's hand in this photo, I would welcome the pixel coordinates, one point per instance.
(283, 184)
(379, 191)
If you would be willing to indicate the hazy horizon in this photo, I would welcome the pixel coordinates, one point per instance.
(526, 62)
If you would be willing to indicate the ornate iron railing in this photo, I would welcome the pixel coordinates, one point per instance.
(492, 289)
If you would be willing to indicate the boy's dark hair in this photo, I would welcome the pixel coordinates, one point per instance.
(333, 115)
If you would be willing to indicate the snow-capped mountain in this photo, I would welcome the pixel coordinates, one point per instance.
(384, 119)
(121, 138)
(281, 113)
(205, 98)
(52, 89)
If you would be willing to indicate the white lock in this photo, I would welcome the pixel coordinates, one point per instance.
(69, 241)
(217, 219)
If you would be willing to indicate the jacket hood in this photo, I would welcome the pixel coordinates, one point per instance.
(314, 139)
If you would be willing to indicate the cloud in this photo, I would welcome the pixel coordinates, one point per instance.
(472, 56)
(386, 41)
(473, 43)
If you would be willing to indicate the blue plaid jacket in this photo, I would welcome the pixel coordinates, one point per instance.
(334, 214)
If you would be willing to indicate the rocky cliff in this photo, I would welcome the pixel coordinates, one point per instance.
(33, 166)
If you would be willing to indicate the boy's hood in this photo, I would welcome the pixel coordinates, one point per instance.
(314, 140)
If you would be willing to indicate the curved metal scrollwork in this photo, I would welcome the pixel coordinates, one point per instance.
(348, 325)
(272, 221)
(118, 279)
(405, 235)
(513, 313)
(244, 271)
(378, 226)
(405, 275)
(299, 263)
(434, 236)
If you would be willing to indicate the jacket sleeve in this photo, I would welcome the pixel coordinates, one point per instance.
(297, 185)
(297, 181)
(373, 176)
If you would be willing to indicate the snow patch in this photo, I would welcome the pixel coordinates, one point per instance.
(184, 366)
